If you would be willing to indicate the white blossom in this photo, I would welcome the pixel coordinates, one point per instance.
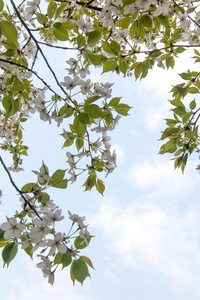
(57, 244)
(12, 229)
(41, 175)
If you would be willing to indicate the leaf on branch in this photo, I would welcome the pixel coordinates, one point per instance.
(122, 109)
(9, 30)
(57, 179)
(61, 34)
(51, 9)
(109, 65)
(94, 37)
(1, 5)
(80, 270)
(88, 261)
(93, 111)
(9, 252)
(100, 186)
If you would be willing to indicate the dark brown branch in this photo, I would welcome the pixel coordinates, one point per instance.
(59, 47)
(18, 190)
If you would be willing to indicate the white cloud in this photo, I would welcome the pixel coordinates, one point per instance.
(161, 176)
(146, 237)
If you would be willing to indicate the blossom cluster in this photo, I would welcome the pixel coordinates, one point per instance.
(40, 234)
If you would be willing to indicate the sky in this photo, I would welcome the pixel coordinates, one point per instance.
(146, 226)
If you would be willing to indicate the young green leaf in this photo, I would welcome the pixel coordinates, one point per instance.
(80, 270)
(9, 252)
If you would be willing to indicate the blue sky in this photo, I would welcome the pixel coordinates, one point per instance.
(146, 226)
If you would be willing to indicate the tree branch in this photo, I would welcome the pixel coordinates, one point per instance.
(17, 189)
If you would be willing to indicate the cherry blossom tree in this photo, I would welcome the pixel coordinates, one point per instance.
(127, 37)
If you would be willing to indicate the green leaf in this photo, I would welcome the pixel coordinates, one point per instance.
(109, 65)
(185, 76)
(91, 181)
(88, 261)
(81, 40)
(79, 127)
(180, 49)
(62, 184)
(127, 2)
(180, 111)
(147, 21)
(66, 111)
(68, 143)
(93, 111)
(9, 53)
(68, 25)
(92, 99)
(57, 176)
(177, 102)
(193, 104)
(79, 243)
(115, 47)
(108, 118)
(42, 19)
(9, 252)
(94, 59)
(66, 260)
(61, 34)
(3, 242)
(57, 25)
(133, 29)
(80, 270)
(58, 258)
(72, 272)
(107, 47)
(138, 70)
(79, 143)
(43, 197)
(170, 62)
(172, 122)
(51, 9)
(124, 22)
(30, 187)
(7, 101)
(123, 66)
(60, 10)
(9, 30)
(100, 186)
(122, 109)
(20, 86)
(94, 37)
(83, 118)
(57, 180)
(8, 104)
(169, 131)
(193, 90)
(28, 250)
(114, 101)
(141, 29)
(1, 5)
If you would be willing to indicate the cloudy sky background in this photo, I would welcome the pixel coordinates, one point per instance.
(146, 226)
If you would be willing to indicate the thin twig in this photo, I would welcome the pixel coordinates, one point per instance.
(17, 189)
